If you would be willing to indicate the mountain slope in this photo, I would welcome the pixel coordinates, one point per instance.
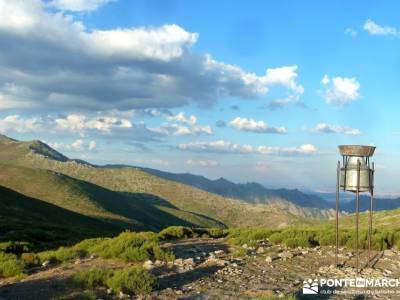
(182, 198)
(27, 219)
(250, 192)
(125, 210)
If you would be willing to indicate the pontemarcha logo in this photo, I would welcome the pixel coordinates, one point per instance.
(310, 287)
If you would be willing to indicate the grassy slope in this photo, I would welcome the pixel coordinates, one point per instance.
(131, 180)
(126, 210)
(29, 219)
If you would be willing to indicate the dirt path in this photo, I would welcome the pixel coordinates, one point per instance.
(206, 269)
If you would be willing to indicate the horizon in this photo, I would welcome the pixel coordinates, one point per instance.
(264, 93)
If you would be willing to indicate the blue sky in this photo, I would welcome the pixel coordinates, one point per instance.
(260, 91)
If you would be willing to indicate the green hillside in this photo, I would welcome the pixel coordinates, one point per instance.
(27, 219)
(95, 191)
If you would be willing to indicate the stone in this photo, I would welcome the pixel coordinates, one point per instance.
(285, 254)
(77, 262)
(93, 256)
(178, 262)
(268, 259)
(148, 265)
(45, 264)
(121, 295)
(244, 246)
(189, 261)
(260, 250)
(109, 291)
(219, 252)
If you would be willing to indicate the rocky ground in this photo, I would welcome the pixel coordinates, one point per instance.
(208, 269)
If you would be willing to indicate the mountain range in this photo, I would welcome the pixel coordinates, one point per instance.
(44, 193)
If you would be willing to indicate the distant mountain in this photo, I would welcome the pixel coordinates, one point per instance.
(378, 204)
(250, 192)
(127, 197)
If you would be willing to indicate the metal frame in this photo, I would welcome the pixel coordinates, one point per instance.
(371, 191)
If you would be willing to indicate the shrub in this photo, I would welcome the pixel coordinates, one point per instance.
(133, 279)
(92, 278)
(175, 232)
(14, 247)
(61, 255)
(10, 265)
(30, 259)
(250, 236)
(217, 232)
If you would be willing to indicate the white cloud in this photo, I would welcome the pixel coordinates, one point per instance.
(340, 90)
(183, 126)
(286, 76)
(202, 163)
(374, 29)
(262, 166)
(181, 130)
(120, 68)
(326, 128)
(181, 118)
(78, 5)
(221, 146)
(78, 145)
(15, 123)
(79, 123)
(244, 124)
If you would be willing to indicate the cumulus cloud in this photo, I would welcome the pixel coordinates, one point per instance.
(79, 123)
(283, 102)
(100, 124)
(55, 62)
(202, 163)
(244, 124)
(15, 123)
(78, 145)
(181, 125)
(78, 5)
(340, 90)
(222, 146)
(374, 29)
(326, 128)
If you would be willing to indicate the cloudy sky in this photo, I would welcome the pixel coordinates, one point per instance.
(262, 92)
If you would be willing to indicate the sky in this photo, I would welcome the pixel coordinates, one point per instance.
(259, 91)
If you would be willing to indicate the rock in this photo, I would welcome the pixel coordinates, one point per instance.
(109, 291)
(45, 264)
(189, 261)
(159, 263)
(178, 292)
(219, 252)
(388, 253)
(268, 259)
(122, 295)
(260, 250)
(77, 262)
(178, 262)
(285, 254)
(93, 256)
(148, 265)
(244, 246)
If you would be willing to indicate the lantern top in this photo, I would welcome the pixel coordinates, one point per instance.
(356, 150)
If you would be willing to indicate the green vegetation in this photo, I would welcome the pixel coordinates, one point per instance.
(179, 232)
(317, 236)
(128, 280)
(10, 265)
(124, 197)
(128, 246)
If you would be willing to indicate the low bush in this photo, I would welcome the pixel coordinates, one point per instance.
(249, 236)
(128, 280)
(10, 265)
(133, 279)
(92, 278)
(175, 232)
